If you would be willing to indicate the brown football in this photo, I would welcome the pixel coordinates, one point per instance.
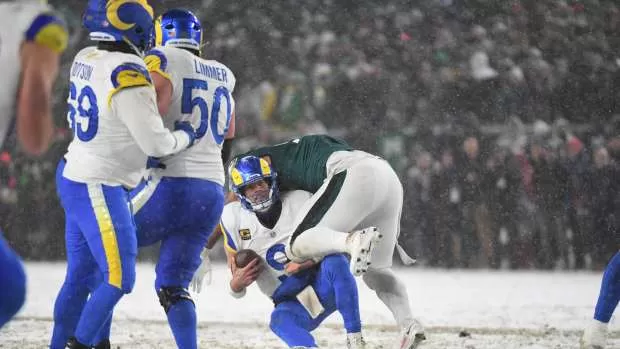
(244, 257)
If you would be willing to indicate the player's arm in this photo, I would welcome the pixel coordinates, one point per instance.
(157, 64)
(241, 277)
(40, 52)
(214, 237)
(133, 101)
(230, 135)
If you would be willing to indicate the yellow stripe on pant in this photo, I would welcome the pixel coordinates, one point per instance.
(108, 234)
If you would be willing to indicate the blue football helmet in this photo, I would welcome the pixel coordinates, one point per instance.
(178, 28)
(248, 170)
(130, 21)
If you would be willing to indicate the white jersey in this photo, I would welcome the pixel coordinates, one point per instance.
(242, 230)
(201, 93)
(113, 112)
(20, 21)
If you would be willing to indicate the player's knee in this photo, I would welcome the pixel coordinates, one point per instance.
(13, 294)
(335, 264)
(168, 296)
(278, 320)
(124, 281)
(380, 279)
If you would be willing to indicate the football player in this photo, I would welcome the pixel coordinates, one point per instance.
(182, 201)
(263, 222)
(351, 190)
(595, 335)
(32, 39)
(112, 109)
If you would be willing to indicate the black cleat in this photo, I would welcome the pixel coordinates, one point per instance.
(104, 344)
(74, 344)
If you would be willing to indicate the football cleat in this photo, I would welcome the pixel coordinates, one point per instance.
(355, 341)
(595, 336)
(361, 243)
(411, 336)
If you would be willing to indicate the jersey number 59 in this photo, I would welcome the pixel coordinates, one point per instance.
(83, 112)
(188, 102)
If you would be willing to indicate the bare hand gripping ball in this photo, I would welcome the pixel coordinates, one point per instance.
(244, 257)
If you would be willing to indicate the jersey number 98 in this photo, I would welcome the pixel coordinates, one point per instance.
(188, 102)
(83, 112)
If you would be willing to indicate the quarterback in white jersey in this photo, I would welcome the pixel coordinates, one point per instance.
(263, 222)
(31, 41)
(242, 230)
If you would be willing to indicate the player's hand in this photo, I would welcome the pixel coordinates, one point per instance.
(292, 267)
(244, 277)
(153, 162)
(186, 127)
(203, 274)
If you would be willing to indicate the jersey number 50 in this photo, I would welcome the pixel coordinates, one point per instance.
(86, 97)
(188, 103)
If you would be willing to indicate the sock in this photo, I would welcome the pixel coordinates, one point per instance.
(336, 268)
(610, 291)
(319, 242)
(182, 321)
(67, 310)
(97, 311)
(392, 292)
(13, 281)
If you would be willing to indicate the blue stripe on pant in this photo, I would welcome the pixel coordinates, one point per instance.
(100, 239)
(181, 213)
(12, 281)
(336, 289)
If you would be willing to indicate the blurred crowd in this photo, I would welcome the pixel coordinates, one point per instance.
(500, 117)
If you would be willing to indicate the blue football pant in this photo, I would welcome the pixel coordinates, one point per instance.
(336, 289)
(610, 291)
(180, 213)
(100, 240)
(12, 281)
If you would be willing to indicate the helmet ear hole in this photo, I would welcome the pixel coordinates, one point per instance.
(169, 27)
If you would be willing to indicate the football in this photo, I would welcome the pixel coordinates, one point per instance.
(244, 257)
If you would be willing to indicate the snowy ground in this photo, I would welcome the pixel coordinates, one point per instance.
(499, 309)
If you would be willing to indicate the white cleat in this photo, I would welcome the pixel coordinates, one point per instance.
(361, 244)
(411, 336)
(355, 341)
(595, 336)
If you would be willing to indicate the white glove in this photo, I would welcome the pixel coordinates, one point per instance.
(203, 273)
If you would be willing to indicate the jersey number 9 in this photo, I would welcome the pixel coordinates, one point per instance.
(188, 102)
(83, 112)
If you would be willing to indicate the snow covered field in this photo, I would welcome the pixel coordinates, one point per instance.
(499, 309)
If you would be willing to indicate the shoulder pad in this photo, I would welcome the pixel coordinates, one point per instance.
(156, 61)
(50, 31)
(128, 75)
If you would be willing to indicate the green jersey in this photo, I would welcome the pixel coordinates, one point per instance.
(301, 162)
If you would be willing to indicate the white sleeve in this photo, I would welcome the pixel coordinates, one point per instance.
(229, 228)
(136, 107)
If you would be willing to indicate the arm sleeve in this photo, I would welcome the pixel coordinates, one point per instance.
(226, 150)
(137, 108)
(228, 225)
(157, 61)
(49, 30)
